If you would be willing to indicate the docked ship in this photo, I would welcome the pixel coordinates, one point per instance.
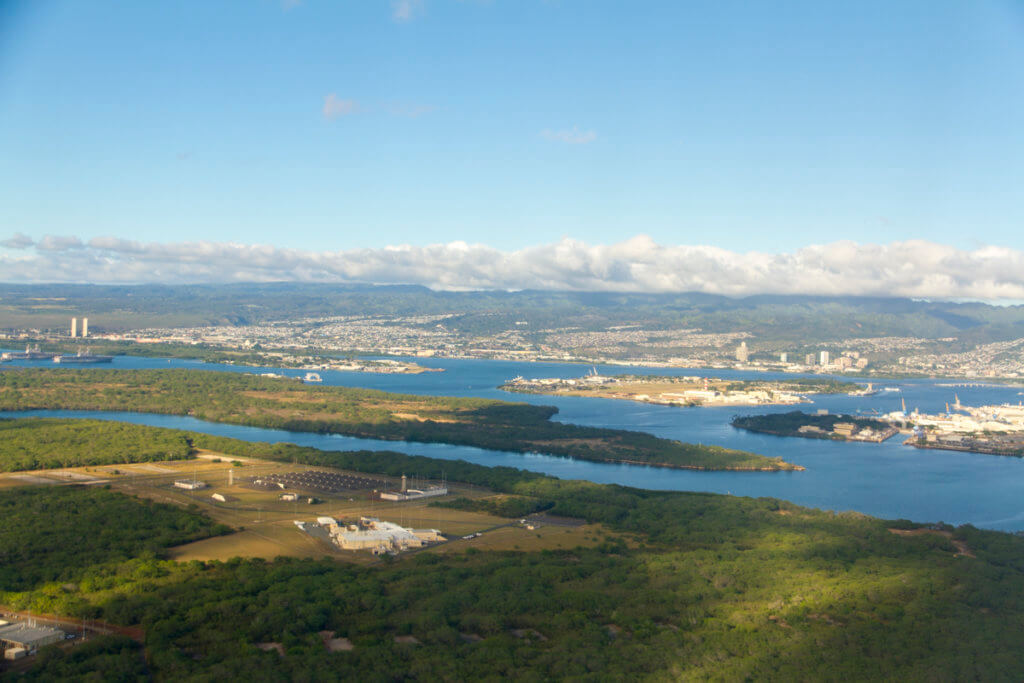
(82, 357)
(29, 354)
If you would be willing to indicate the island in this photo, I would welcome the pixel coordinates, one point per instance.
(821, 426)
(684, 391)
(278, 403)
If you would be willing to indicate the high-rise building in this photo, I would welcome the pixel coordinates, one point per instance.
(85, 327)
(742, 353)
(74, 327)
(783, 357)
(824, 358)
(809, 359)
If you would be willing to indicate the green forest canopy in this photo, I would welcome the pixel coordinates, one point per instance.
(44, 443)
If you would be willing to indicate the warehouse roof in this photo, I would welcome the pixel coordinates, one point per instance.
(28, 636)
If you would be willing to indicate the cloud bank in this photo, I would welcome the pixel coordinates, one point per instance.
(911, 269)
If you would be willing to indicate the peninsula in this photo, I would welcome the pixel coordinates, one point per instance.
(249, 353)
(834, 427)
(284, 404)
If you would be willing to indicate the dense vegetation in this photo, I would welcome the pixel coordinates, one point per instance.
(502, 506)
(50, 533)
(290, 405)
(799, 385)
(40, 443)
(788, 424)
(100, 659)
(683, 586)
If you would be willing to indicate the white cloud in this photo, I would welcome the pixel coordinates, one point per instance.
(405, 10)
(913, 268)
(18, 241)
(574, 136)
(335, 106)
(58, 243)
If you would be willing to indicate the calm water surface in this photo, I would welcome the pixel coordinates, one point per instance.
(887, 480)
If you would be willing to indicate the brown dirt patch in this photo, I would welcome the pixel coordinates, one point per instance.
(267, 647)
(407, 640)
(336, 644)
(419, 418)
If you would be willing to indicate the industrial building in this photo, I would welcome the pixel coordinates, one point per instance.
(27, 637)
(407, 493)
(190, 484)
(414, 494)
(377, 536)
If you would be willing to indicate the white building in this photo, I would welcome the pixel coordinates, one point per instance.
(413, 494)
(378, 536)
(190, 484)
(824, 358)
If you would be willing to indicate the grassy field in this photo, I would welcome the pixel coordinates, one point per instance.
(266, 524)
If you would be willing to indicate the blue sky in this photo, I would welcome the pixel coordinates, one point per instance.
(362, 123)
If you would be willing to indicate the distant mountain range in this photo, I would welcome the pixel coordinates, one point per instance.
(806, 319)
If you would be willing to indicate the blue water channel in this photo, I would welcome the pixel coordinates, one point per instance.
(887, 480)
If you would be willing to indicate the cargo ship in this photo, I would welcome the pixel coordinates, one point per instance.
(82, 357)
(29, 354)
